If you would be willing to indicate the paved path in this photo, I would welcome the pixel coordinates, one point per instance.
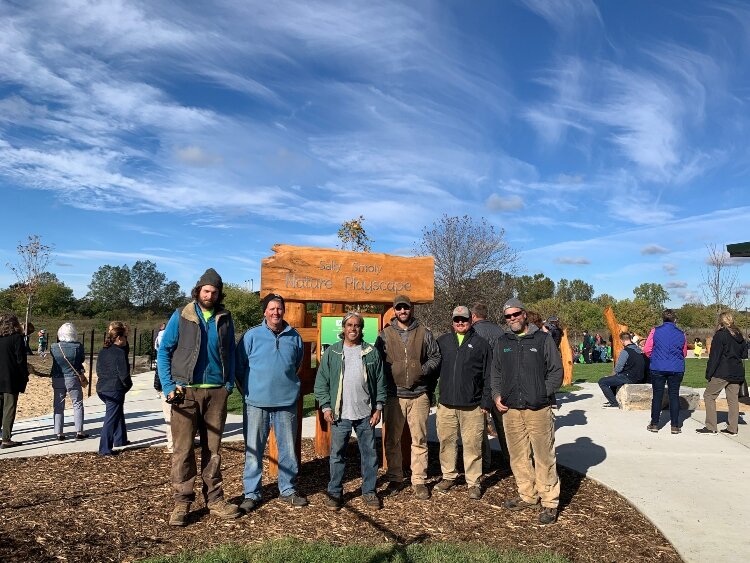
(694, 488)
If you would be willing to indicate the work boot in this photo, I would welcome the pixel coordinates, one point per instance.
(475, 492)
(179, 514)
(652, 427)
(296, 500)
(421, 492)
(445, 485)
(333, 502)
(394, 487)
(372, 500)
(518, 504)
(224, 510)
(547, 515)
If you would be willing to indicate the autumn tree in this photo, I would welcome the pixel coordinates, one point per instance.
(353, 236)
(472, 262)
(33, 258)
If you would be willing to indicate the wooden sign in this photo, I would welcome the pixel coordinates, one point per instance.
(303, 273)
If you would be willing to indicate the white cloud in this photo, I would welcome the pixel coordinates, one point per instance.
(670, 269)
(196, 156)
(500, 203)
(676, 285)
(654, 249)
(575, 260)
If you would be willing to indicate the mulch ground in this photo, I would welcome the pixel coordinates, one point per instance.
(81, 507)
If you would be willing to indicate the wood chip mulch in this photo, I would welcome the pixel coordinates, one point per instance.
(81, 507)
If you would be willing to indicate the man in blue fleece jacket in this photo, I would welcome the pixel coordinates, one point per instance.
(268, 357)
(196, 363)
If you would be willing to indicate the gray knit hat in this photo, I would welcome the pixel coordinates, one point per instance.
(210, 277)
(513, 303)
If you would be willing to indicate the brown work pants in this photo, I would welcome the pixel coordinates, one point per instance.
(413, 412)
(470, 422)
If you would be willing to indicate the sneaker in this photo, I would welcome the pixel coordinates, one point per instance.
(372, 500)
(610, 406)
(179, 514)
(518, 504)
(445, 485)
(547, 515)
(475, 492)
(295, 500)
(248, 504)
(333, 503)
(224, 510)
(394, 487)
(652, 427)
(421, 492)
(705, 430)
(676, 430)
(727, 431)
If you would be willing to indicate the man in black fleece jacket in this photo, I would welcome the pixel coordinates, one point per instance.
(464, 400)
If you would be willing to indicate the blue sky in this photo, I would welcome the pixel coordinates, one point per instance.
(609, 139)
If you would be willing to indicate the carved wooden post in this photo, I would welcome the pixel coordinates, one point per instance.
(567, 359)
(294, 314)
(614, 329)
(322, 431)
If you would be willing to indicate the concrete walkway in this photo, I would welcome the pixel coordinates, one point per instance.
(694, 488)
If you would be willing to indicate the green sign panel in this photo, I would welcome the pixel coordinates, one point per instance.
(330, 328)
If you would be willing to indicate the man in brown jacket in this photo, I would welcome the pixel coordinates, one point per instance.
(412, 358)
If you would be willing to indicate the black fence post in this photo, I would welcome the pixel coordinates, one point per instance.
(91, 362)
(151, 351)
(135, 346)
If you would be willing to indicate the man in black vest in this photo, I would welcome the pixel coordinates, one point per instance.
(411, 357)
(526, 373)
(196, 371)
(630, 368)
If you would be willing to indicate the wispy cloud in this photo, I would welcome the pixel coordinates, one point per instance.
(670, 268)
(654, 249)
(576, 260)
(496, 202)
(676, 285)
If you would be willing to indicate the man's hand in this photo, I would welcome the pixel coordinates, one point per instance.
(375, 418)
(484, 411)
(499, 404)
(328, 416)
(171, 394)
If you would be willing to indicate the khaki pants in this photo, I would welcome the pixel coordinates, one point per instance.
(712, 391)
(413, 412)
(533, 432)
(204, 410)
(469, 421)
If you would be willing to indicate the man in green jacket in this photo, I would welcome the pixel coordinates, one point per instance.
(350, 389)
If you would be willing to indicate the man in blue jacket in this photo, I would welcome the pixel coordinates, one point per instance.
(196, 370)
(350, 389)
(268, 357)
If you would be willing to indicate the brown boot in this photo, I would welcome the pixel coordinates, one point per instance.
(224, 510)
(179, 514)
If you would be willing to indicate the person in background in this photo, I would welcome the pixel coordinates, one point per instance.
(666, 348)
(67, 368)
(552, 326)
(725, 370)
(113, 381)
(350, 389)
(698, 348)
(42, 348)
(630, 368)
(14, 373)
(166, 407)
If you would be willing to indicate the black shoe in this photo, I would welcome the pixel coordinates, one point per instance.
(61, 437)
(81, 435)
(333, 503)
(547, 515)
(295, 500)
(248, 505)
(652, 427)
(705, 430)
(372, 500)
(726, 431)
(10, 444)
(394, 487)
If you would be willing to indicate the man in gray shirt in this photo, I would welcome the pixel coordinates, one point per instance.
(350, 389)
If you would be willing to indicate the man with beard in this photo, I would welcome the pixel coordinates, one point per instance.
(526, 372)
(196, 370)
(411, 358)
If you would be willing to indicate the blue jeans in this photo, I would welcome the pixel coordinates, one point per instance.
(114, 432)
(606, 384)
(673, 379)
(340, 432)
(257, 424)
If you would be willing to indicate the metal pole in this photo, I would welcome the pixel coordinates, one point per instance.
(135, 345)
(91, 362)
(151, 352)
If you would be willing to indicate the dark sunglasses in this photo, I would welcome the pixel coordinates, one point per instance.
(460, 320)
(514, 315)
(401, 307)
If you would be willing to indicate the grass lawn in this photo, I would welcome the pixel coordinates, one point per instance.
(695, 372)
(234, 404)
(295, 551)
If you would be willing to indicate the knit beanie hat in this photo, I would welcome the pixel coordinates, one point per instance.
(210, 277)
(268, 298)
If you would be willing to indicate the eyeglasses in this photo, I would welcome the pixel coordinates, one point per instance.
(402, 307)
(460, 320)
(514, 315)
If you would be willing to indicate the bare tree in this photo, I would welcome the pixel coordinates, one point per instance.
(30, 270)
(721, 288)
(472, 262)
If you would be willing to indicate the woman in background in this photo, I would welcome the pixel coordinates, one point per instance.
(697, 348)
(725, 370)
(14, 373)
(67, 368)
(113, 381)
